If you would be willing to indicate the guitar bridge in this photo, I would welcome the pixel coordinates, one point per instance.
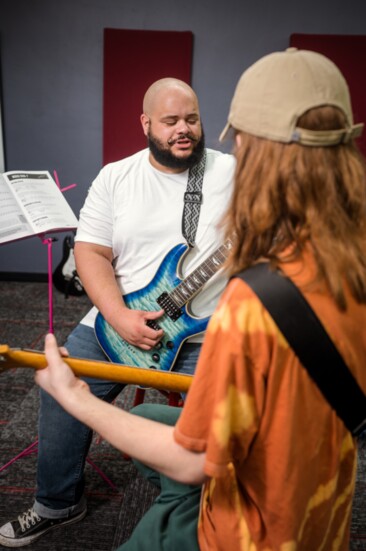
(169, 306)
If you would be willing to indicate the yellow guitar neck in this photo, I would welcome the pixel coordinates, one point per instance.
(163, 380)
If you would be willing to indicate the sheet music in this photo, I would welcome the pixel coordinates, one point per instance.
(32, 204)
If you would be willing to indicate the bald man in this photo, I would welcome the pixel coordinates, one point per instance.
(131, 219)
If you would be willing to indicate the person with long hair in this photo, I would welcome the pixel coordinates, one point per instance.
(290, 199)
(258, 460)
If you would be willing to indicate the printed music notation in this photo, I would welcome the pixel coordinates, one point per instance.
(31, 203)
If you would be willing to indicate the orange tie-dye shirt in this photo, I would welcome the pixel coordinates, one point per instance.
(281, 463)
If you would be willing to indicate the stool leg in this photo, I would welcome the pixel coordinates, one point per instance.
(175, 399)
(139, 396)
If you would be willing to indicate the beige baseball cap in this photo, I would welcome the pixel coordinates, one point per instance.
(274, 92)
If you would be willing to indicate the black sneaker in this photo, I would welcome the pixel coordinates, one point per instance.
(29, 526)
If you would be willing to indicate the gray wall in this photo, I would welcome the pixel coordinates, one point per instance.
(51, 55)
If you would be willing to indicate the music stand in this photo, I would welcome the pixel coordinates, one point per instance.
(33, 448)
(48, 241)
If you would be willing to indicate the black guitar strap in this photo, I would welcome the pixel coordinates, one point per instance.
(193, 201)
(311, 343)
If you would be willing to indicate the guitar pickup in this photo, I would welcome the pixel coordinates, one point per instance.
(169, 306)
(153, 324)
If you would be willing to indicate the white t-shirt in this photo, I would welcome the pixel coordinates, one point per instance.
(137, 211)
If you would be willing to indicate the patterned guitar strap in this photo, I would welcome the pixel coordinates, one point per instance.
(193, 201)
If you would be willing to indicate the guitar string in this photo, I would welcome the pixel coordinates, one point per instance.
(187, 288)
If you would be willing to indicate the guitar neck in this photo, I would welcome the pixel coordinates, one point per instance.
(193, 283)
(164, 380)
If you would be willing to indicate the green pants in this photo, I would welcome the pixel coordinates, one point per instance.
(171, 522)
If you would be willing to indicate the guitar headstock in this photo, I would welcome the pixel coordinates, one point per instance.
(10, 358)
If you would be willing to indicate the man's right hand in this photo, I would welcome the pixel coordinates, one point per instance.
(94, 265)
(132, 327)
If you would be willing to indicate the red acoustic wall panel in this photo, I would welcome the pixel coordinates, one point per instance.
(134, 59)
(348, 52)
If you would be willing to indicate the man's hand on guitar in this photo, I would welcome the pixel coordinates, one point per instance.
(133, 328)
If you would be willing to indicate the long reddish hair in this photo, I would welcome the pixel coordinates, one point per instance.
(287, 196)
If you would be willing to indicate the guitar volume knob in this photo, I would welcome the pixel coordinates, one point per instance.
(156, 357)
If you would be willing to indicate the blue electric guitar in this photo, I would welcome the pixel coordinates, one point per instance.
(167, 291)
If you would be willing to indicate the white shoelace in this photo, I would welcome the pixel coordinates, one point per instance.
(27, 519)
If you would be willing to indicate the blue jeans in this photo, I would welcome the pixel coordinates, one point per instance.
(64, 442)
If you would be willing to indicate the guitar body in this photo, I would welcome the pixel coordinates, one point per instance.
(176, 331)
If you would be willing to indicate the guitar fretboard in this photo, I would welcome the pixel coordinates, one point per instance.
(190, 286)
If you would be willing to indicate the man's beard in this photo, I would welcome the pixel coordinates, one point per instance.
(165, 157)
